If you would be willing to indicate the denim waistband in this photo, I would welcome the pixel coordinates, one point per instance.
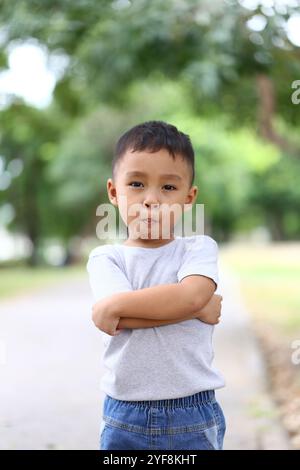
(182, 402)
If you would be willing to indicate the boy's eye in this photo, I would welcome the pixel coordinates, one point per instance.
(134, 182)
(169, 186)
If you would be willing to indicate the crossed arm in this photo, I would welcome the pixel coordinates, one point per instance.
(144, 307)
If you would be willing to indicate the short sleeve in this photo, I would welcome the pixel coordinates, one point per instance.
(200, 257)
(105, 276)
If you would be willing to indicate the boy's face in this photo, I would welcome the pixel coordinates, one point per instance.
(146, 185)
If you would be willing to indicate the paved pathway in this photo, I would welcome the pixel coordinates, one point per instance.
(49, 387)
(50, 383)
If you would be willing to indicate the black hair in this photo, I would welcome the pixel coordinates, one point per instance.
(153, 136)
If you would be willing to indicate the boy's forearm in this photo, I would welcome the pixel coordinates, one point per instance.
(172, 301)
(126, 322)
(133, 323)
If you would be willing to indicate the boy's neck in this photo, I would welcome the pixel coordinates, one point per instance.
(148, 243)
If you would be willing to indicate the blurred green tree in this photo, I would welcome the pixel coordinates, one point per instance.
(220, 71)
(235, 59)
(28, 141)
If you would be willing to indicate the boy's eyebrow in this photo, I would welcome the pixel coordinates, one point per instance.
(141, 173)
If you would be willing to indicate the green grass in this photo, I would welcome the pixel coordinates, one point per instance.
(269, 277)
(18, 280)
(266, 273)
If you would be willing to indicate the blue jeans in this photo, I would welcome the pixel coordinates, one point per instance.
(194, 422)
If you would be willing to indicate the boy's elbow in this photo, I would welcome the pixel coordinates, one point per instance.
(96, 316)
(201, 301)
(200, 289)
(204, 297)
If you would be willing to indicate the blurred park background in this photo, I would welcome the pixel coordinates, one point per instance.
(74, 75)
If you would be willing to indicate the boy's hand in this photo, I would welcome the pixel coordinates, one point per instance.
(104, 316)
(211, 312)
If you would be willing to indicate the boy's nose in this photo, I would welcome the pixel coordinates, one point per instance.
(150, 209)
(151, 203)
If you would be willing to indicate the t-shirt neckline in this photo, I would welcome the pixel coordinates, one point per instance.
(149, 248)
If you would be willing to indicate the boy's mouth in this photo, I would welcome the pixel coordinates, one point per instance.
(149, 221)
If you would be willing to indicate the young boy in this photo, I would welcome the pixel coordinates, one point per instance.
(155, 304)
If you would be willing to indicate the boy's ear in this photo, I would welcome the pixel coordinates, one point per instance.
(192, 195)
(111, 192)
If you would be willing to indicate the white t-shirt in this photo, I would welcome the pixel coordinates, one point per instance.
(163, 362)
